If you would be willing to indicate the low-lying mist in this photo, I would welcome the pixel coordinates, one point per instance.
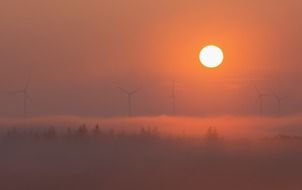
(228, 126)
(148, 153)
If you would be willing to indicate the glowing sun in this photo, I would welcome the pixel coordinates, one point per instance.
(211, 56)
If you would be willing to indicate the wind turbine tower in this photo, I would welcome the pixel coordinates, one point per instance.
(260, 100)
(130, 97)
(279, 100)
(26, 97)
(173, 96)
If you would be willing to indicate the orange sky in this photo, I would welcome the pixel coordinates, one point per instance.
(76, 49)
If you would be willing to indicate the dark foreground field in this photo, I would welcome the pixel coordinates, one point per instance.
(96, 160)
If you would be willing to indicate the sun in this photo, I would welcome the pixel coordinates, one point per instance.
(211, 56)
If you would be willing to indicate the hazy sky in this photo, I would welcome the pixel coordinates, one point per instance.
(76, 50)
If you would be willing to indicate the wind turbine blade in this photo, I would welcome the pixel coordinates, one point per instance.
(278, 97)
(136, 90)
(17, 92)
(122, 89)
(257, 90)
(274, 94)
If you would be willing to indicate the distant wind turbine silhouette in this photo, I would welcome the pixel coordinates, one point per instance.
(279, 100)
(130, 95)
(173, 96)
(26, 96)
(260, 99)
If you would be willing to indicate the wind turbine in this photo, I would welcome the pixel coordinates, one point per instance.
(260, 99)
(130, 95)
(279, 100)
(175, 84)
(173, 96)
(26, 96)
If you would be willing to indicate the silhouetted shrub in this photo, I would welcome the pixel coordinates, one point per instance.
(96, 130)
(50, 133)
(82, 131)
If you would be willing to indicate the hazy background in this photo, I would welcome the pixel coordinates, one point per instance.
(76, 49)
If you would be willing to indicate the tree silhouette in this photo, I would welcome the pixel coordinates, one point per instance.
(212, 135)
(50, 133)
(96, 130)
(82, 131)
